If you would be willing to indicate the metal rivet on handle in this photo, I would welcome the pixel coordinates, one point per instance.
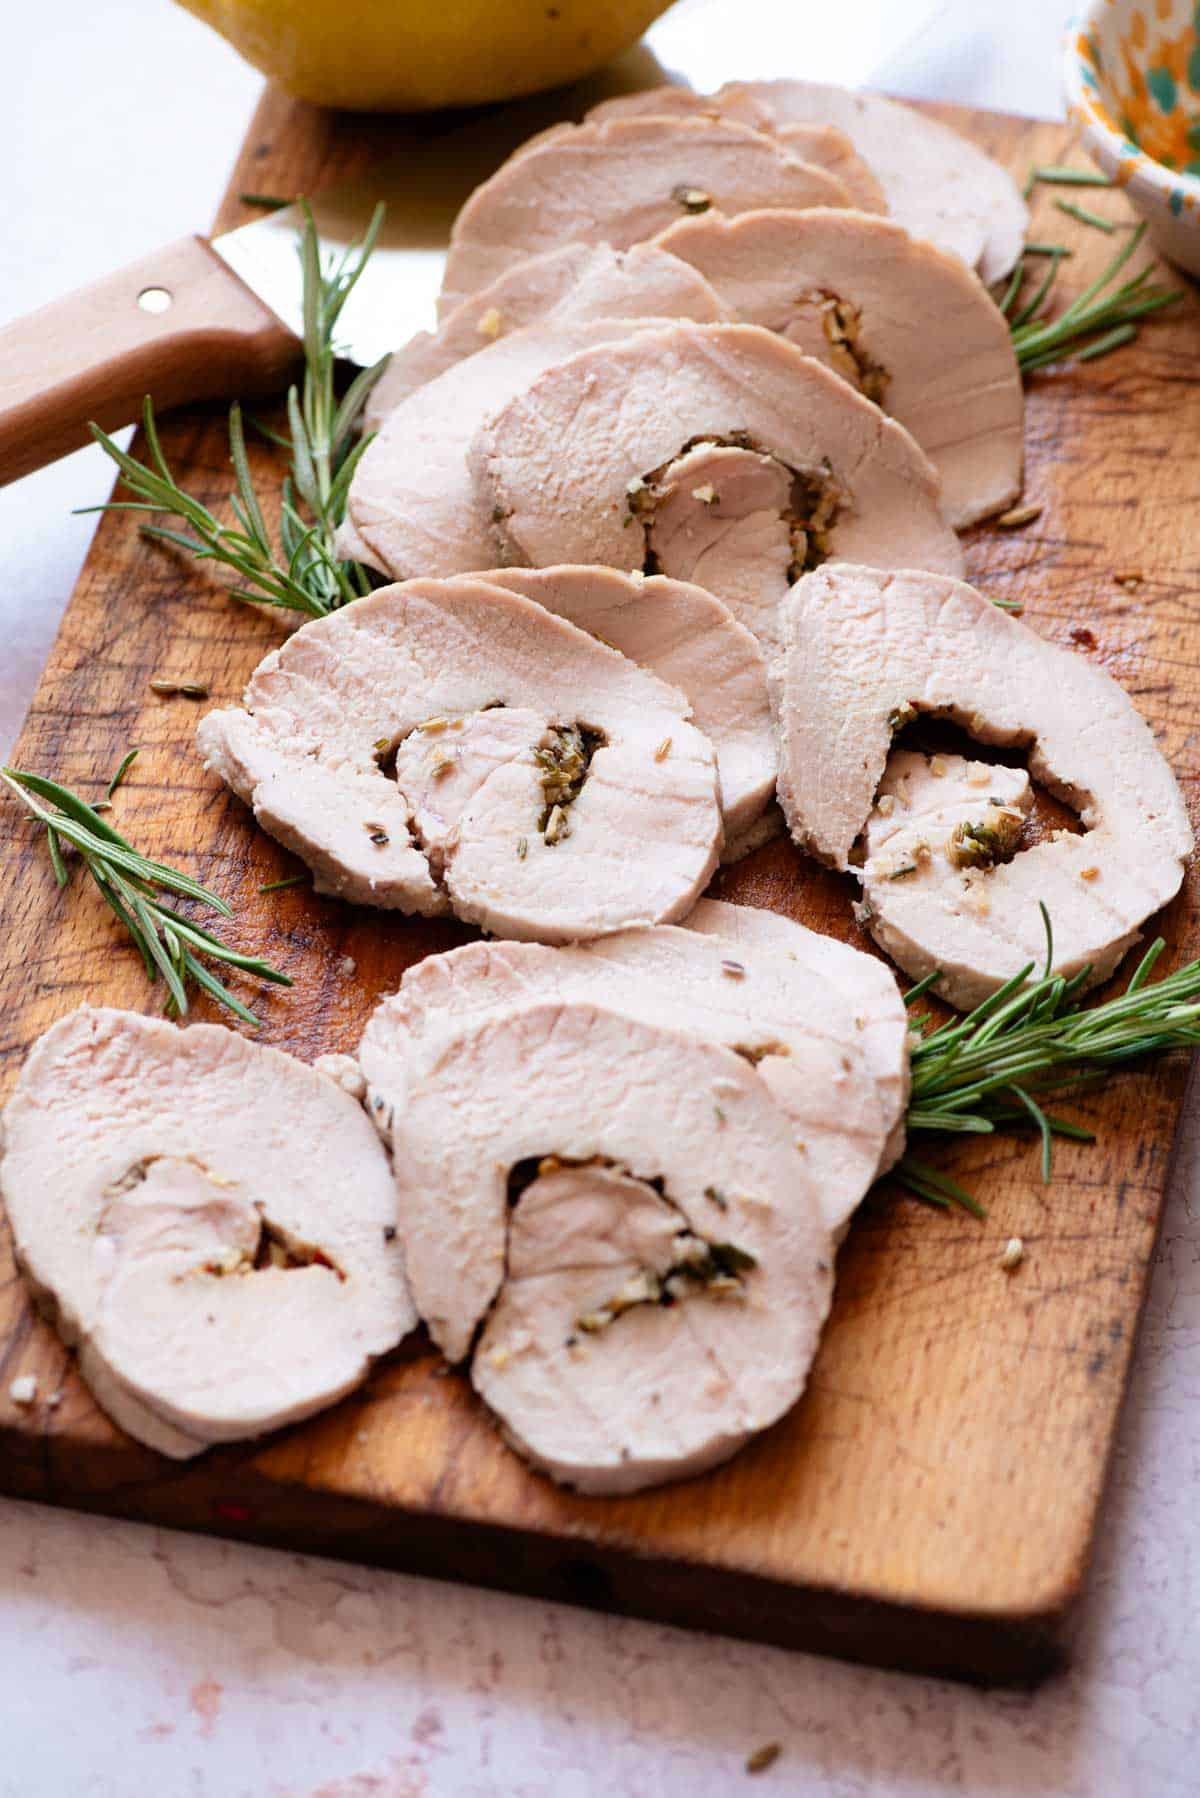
(154, 299)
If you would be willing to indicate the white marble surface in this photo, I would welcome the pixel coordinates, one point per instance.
(136, 1661)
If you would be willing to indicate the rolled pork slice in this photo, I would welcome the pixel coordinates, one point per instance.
(620, 183)
(544, 785)
(413, 508)
(821, 1023)
(648, 1306)
(864, 653)
(208, 1221)
(691, 640)
(858, 293)
(575, 468)
(822, 145)
(577, 284)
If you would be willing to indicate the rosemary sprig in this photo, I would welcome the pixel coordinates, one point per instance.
(129, 883)
(305, 574)
(1101, 318)
(993, 1068)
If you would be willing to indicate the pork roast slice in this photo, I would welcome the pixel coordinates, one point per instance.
(823, 145)
(692, 641)
(596, 808)
(938, 185)
(576, 284)
(822, 1023)
(575, 468)
(413, 508)
(210, 1223)
(864, 652)
(859, 293)
(620, 183)
(652, 1304)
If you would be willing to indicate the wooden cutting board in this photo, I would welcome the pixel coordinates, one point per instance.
(930, 1503)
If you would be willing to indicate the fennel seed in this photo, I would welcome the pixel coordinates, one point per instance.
(663, 750)
(186, 689)
(1017, 516)
(763, 1757)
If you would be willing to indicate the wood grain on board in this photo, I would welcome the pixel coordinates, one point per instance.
(930, 1502)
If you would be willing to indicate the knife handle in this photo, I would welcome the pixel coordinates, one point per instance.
(178, 325)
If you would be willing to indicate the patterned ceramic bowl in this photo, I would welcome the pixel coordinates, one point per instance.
(1132, 71)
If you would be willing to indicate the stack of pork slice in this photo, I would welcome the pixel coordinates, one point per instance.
(668, 501)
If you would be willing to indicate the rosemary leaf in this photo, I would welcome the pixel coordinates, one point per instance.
(129, 883)
(1065, 177)
(127, 761)
(1111, 340)
(1086, 216)
(1014, 286)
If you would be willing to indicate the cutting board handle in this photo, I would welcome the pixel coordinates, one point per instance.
(179, 325)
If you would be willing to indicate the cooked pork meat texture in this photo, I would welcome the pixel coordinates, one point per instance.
(822, 1024)
(681, 102)
(859, 293)
(936, 184)
(870, 991)
(692, 641)
(209, 1222)
(620, 183)
(577, 284)
(865, 651)
(823, 145)
(831, 149)
(412, 508)
(572, 467)
(531, 792)
(654, 1303)
(727, 519)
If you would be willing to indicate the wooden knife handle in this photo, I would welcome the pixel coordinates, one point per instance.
(96, 354)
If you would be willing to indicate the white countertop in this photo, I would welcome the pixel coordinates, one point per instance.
(135, 1661)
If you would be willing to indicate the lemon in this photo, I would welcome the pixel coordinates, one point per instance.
(414, 55)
